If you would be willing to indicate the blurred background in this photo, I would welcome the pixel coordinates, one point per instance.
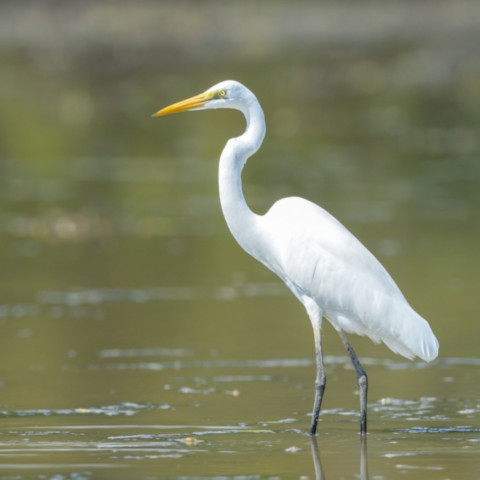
(112, 238)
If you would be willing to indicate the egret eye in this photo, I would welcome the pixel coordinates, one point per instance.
(220, 94)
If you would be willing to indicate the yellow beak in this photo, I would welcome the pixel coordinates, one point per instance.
(185, 105)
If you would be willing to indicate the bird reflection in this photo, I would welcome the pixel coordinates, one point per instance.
(317, 464)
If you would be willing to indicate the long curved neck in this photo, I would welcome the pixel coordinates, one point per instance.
(241, 221)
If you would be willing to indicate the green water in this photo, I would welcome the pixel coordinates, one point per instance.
(137, 339)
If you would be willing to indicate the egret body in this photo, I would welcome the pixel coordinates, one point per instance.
(323, 264)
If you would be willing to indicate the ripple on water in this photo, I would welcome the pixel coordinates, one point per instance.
(157, 293)
(461, 429)
(427, 409)
(124, 408)
(330, 360)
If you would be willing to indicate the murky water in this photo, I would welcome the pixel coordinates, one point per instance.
(137, 339)
(238, 419)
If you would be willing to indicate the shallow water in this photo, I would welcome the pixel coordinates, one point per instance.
(192, 422)
(138, 340)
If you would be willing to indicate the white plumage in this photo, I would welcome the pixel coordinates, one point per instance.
(322, 263)
(320, 259)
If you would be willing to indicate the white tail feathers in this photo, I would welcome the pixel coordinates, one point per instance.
(406, 332)
(415, 339)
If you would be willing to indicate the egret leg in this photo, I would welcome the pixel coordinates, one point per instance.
(362, 382)
(320, 379)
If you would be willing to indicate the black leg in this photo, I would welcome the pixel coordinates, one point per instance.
(362, 382)
(320, 379)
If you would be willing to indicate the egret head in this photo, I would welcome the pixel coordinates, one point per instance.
(226, 94)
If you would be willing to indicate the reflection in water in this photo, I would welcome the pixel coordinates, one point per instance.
(317, 463)
(363, 458)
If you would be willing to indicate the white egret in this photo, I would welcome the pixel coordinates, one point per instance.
(323, 264)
